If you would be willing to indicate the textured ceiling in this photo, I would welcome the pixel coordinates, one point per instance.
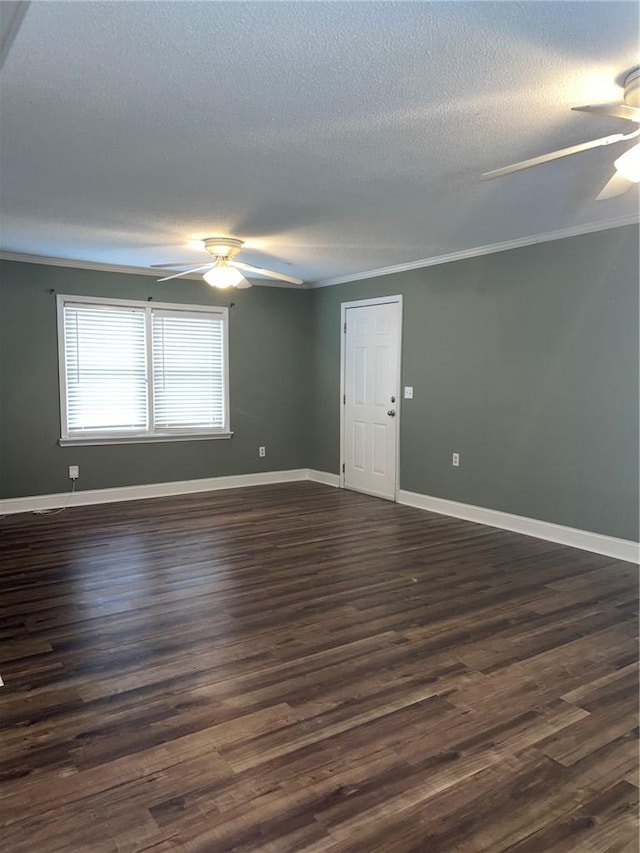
(339, 137)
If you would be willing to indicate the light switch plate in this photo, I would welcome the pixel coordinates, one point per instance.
(408, 392)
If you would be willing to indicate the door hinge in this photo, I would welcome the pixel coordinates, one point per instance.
(344, 328)
(344, 399)
(343, 467)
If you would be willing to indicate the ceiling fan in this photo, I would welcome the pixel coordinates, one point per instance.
(224, 271)
(627, 166)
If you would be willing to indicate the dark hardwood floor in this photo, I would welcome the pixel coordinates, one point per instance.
(298, 668)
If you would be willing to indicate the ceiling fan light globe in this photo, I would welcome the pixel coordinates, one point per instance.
(629, 164)
(222, 276)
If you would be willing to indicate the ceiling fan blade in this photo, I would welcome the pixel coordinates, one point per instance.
(171, 266)
(617, 185)
(617, 110)
(186, 272)
(269, 273)
(553, 155)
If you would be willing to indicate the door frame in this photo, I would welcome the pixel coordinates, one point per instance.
(361, 303)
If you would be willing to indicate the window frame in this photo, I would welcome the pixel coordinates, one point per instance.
(100, 437)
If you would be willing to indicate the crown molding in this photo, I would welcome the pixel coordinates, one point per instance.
(478, 251)
(72, 263)
(99, 266)
(13, 16)
(463, 254)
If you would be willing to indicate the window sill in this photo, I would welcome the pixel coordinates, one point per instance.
(141, 439)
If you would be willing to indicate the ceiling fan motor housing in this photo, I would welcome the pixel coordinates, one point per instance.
(223, 247)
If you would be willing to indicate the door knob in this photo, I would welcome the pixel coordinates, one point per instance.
(391, 413)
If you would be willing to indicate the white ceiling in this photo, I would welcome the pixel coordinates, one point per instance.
(339, 137)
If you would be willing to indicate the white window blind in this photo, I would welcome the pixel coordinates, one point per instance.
(188, 371)
(106, 371)
(141, 371)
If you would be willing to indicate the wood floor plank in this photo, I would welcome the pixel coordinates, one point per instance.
(599, 824)
(300, 669)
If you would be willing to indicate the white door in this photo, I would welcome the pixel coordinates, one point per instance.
(371, 367)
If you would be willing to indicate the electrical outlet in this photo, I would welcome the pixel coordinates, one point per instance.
(408, 392)
(262, 451)
(74, 472)
(455, 460)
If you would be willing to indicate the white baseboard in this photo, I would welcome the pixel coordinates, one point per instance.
(150, 490)
(620, 549)
(37, 503)
(324, 477)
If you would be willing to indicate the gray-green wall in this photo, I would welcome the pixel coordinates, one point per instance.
(268, 360)
(525, 362)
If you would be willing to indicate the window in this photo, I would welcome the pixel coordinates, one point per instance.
(141, 371)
